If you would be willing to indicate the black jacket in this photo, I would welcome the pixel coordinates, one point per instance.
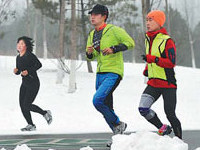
(30, 63)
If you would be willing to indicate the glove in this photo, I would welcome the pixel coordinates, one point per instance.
(150, 59)
(144, 57)
(145, 72)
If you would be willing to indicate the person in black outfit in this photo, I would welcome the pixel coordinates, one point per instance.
(27, 64)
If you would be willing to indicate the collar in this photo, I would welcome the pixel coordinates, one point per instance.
(101, 27)
(154, 33)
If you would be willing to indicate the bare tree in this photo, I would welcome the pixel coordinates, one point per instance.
(44, 37)
(167, 16)
(35, 31)
(83, 25)
(28, 18)
(72, 76)
(5, 12)
(190, 35)
(146, 8)
(61, 57)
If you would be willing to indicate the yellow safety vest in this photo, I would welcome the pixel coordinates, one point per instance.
(157, 49)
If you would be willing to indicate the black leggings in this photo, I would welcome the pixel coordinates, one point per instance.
(169, 97)
(27, 95)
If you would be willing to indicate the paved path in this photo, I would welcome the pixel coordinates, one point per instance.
(76, 141)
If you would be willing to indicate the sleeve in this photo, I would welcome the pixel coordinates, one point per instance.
(94, 54)
(118, 48)
(170, 52)
(35, 64)
(125, 40)
(17, 66)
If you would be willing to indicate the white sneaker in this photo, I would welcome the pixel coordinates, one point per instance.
(119, 129)
(48, 117)
(29, 127)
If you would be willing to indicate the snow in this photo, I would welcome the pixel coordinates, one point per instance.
(86, 148)
(74, 112)
(147, 141)
(22, 147)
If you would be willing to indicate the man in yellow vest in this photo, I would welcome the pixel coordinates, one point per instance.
(160, 57)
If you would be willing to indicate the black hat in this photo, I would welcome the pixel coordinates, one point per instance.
(99, 9)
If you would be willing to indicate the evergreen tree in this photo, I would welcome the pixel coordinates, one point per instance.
(179, 34)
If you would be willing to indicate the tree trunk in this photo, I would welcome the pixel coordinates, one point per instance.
(146, 8)
(190, 36)
(60, 72)
(192, 50)
(35, 32)
(72, 76)
(89, 65)
(28, 19)
(167, 16)
(44, 37)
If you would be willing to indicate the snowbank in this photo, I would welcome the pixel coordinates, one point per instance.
(147, 141)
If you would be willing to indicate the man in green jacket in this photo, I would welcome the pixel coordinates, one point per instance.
(106, 43)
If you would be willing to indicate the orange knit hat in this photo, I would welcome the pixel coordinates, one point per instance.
(158, 16)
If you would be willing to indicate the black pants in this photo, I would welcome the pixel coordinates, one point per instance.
(169, 97)
(28, 93)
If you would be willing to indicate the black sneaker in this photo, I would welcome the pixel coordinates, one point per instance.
(109, 144)
(29, 127)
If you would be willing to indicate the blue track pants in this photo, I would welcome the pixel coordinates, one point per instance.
(106, 83)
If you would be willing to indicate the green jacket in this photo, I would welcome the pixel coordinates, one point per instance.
(111, 36)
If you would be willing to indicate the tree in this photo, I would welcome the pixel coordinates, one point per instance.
(179, 34)
(44, 35)
(140, 32)
(190, 35)
(5, 12)
(61, 59)
(35, 31)
(28, 18)
(167, 16)
(72, 76)
(49, 9)
(84, 31)
(146, 8)
(196, 36)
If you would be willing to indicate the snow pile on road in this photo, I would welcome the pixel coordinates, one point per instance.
(86, 148)
(147, 141)
(22, 147)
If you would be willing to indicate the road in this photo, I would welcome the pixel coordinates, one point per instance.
(75, 141)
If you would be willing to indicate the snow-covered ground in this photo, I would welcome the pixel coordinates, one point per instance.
(74, 113)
